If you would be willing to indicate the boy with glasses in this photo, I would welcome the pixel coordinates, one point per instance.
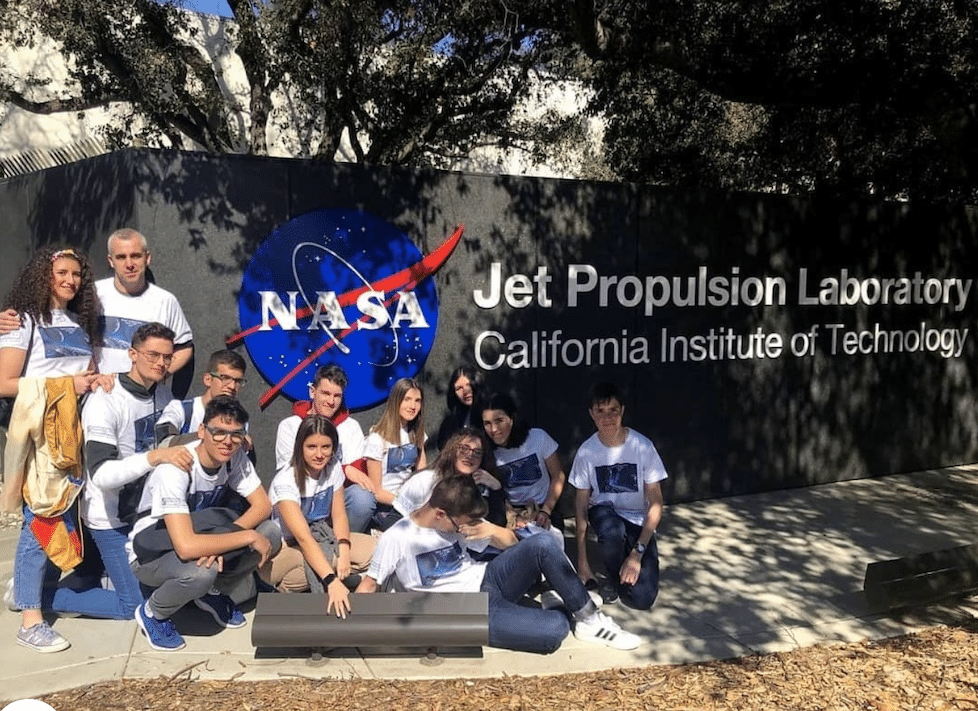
(428, 551)
(118, 430)
(616, 473)
(172, 552)
(225, 375)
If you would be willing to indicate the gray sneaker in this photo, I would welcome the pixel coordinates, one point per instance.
(41, 638)
(8, 597)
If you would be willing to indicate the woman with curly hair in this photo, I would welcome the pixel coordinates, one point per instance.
(59, 336)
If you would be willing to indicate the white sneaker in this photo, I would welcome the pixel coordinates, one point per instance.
(550, 599)
(601, 629)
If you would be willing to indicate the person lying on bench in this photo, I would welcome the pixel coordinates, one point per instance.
(428, 552)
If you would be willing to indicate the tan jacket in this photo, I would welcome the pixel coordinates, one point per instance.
(43, 457)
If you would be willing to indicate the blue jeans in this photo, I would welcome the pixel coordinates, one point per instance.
(616, 539)
(36, 580)
(511, 574)
(360, 507)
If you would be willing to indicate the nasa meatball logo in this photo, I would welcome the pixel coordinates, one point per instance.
(344, 287)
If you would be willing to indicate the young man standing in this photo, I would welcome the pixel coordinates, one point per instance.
(428, 551)
(201, 567)
(616, 473)
(326, 399)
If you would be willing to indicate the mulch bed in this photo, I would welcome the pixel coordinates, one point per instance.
(936, 669)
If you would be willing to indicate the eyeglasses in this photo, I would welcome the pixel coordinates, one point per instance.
(466, 450)
(611, 412)
(219, 435)
(154, 357)
(228, 379)
(454, 523)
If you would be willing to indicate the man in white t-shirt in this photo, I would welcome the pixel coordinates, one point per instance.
(428, 551)
(326, 399)
(225, 375)
(120, 451)
(616, 473)
(187, 545)
(129, 300)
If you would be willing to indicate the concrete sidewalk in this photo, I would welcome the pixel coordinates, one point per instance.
(741, 575)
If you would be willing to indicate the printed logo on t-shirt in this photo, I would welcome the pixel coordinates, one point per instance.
(521, 472)
(317, 507)
(65, 342)
(439, 563)
(188, 414)
(617, 478)
(119, 331)
(402, 458)
(146, 431)
(205, 499)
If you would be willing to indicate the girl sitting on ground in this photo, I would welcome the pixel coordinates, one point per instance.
(318, 553)
(527, 461)
(466, 453)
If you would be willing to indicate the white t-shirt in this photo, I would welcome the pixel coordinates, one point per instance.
(124, 314)
(316, 501)
(396, 462)
(349, 430)
(426, 560)
(617, 475)
(176, 414)
(128, 423)
(170, 490)
(524, 468)
(57, 348)
(414, 492)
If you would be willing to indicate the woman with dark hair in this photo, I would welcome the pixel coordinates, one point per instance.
(59, 338)
(394, 449)
(527, 460)
(466, 453)
(464, 387)
(318, 550)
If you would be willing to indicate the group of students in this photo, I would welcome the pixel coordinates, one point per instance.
(178, 514)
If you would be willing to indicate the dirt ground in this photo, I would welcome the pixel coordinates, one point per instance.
(934, 670)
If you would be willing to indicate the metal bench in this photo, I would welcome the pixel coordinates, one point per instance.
(405, 619)
(922, 578)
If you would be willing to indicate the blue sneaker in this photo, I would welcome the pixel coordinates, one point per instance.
(160, 634)
(222, 609)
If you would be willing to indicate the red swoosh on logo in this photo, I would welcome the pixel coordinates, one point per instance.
(404, 280)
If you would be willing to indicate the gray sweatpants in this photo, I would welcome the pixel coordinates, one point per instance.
(178, 582)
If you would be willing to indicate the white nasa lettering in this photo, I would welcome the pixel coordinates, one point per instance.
(327, 314)
(270, 302)
(333, 316)
(409, 309)
(371, 303)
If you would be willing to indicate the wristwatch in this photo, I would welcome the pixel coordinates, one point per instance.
(640, 547)
(328, 579)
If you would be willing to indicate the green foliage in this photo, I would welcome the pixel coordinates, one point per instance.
(847, 97)
(406, 82)
(858, 97)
